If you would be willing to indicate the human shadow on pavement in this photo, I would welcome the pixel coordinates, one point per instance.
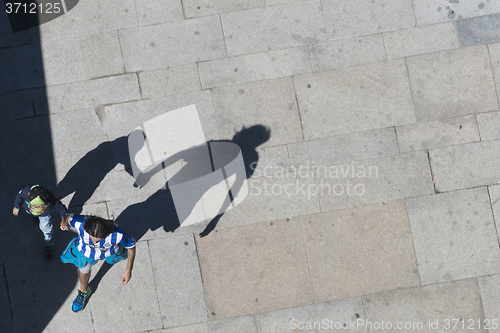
(158, 211)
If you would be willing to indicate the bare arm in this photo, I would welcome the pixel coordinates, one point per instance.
(130, 264)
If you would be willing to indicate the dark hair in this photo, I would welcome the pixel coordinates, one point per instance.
(98, 227)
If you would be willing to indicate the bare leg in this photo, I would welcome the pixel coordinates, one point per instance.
(84, 281)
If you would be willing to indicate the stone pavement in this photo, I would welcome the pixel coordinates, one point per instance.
(372, 206)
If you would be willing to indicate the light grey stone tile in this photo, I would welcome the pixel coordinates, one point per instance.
(267, 103)
(266, 161)
(320, 317)
(345, 18)
(347, 52)
(438, 133)
(274, 27)
(17, 105)
(102, 55)
(371, 181)
(490, 298)
(169, 81)
(254, 67)
(479, 30)
(354, 99)
(454, 235)
(361, 258)
(74, 134)
(23, 65)
(135, 305)
(62, 61)
(344, 148)
(495, 64)
(194, 8)
(85, 94)
(426, 309)
(489, 125)
(294, 194)
(121, 119)
(465, 166)
(278, 2)
(178, 281)
(245, 268)
(435, 11)
(158, 11)
(452, 83)
(419, 40)
(238, 325)
(89, 18)
(172, 44)
(494, 191)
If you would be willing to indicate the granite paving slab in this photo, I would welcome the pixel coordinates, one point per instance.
(354, 99)
(23, 65)
(7, 38)
(236, 325)
(85, 94)
(274, 27)
(454, 235)
(360, 251)
(347, 52)
(442, 307)
(197, 8)
(477, 167)
(266, 161)
(169, 81)
(490, 296)
(17, 105)
(479, 30)
(62, 61)
(269, 103)
(452, 83)
(372, 181)
(102, 55)
(495, 64)
(347, 18)
(254, 67)
(178, 281)
(151, 12)
(437, 133)
(6, 315)
(255, 268)
(172, 44)
(489, 125)
(420, 40)
(343, 148)
(322, 317)
(135, 305)
(434, 11)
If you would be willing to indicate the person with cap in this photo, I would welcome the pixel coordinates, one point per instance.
(37, 202)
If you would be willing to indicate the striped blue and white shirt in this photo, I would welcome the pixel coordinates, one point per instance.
(106, 247)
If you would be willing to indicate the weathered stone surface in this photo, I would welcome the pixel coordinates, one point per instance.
(190, 41)
(438, 133)
(354, 99)
(489, 125)
(434, 11)
(347, 52)
(366, 250)
(236, 325)
(256, 268)
(270, 104)
(194, 8)
(490, 298)
(254, 67)
(169, 81)
(478, 165)
(274, 27)
(102, 55)
(444, 307)
(158, 11)
(495, 64)
(479, 30)
(452, 83)
(419, 40)
(454, 235)
(345, 18)
(178, 281)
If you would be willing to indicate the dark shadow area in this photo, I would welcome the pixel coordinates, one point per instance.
(158, 210)
(33, 288)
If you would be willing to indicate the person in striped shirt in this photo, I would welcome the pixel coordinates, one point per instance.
(98, 239)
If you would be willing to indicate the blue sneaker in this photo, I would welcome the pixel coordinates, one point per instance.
(81, 300)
